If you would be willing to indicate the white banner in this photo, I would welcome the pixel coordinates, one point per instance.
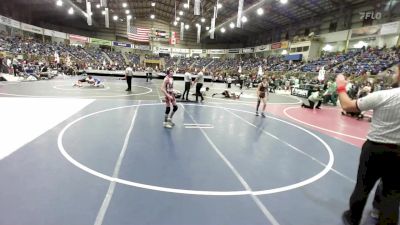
(103, 3)
(197, 7)
(182, 30)
(180, 50)
(198, 33)
(248, 50)
(212, 31)
(107, 18)
(216, 10)
(48, 32)
(196, 51)
(216, 51)
(89, 12)
(239, 15)
(128, 24)
(143, 47)
(234, 51)
(59, 35)
(262, 48)
(390, 28)
(31, 28)
(164, 50)
(10, 22)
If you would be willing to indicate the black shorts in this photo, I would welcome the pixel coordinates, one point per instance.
(262, 95)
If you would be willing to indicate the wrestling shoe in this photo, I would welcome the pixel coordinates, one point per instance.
(257, 114)
(167, 125)
(263, 115)
(170, 122)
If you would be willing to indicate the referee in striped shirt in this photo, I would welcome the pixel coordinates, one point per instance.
(380, 154)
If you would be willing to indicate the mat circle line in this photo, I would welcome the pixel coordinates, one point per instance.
(310, 180)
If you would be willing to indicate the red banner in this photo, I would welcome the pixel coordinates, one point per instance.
(276, 45)
(74, 37)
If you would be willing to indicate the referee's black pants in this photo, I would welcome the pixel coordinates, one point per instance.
(186, 91)
(198, 93)
(129, 82)
(378, 161)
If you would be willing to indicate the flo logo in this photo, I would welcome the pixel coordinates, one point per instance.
(370, 15)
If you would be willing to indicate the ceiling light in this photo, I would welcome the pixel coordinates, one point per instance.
(152, 16)
(181, 13)
(59, 3)
(203, 20)
(124, 4)
(91, 13)
(103, 12)
(115, 17)
(178, 18)
(232, 25)
(284, 1)
(98, 6)
(129, 17)
(185, 5)
(244, 19)
(219, 5)
(223, 30)
(207, 28)
(70, 11)
(175, 23)
(127, 11)
(187, 26)
(260, 11)
(153, 4)
(197, 24)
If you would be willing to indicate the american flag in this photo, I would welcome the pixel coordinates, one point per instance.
(138, 34)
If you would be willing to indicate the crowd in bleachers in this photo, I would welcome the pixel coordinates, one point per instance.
(371, 61)
(116, 57)
(355, 62)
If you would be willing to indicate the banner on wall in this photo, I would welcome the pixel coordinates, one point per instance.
(48, 32)
(262, 48)
(31, 28)
(79, 38)
(164, 50)
(276, 45)
(143, 47)
(10, 22)
(234, 51)
(365, 31)
(248, 50)
(59, 34)
(390, 28)
(180, 50)
(97, 41)
(121, 44)
(53, 33)
(284, 44)
(216, 51)
(196, 51)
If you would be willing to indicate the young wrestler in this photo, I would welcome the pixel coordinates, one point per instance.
(262, 91)
(167, 88)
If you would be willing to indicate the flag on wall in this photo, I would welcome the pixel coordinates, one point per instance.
(172, 38)
(138, 34)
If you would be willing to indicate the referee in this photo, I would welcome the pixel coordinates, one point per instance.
(199, 84)
(380, 154)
